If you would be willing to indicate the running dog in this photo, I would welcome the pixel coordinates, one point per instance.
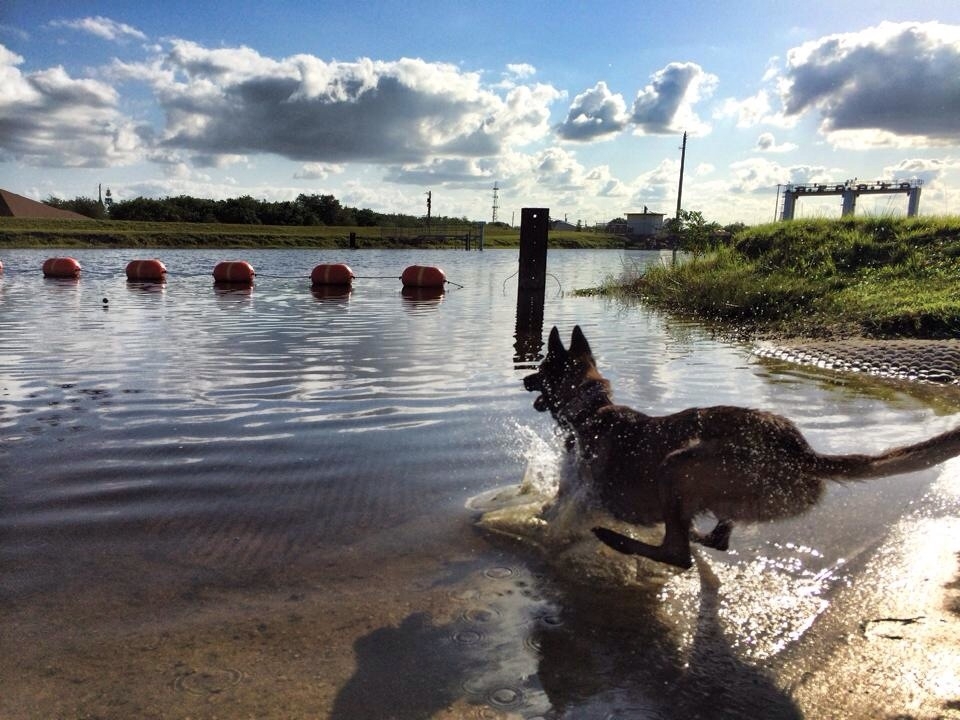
(742, 465)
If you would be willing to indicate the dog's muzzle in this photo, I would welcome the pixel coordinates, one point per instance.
(533, 383)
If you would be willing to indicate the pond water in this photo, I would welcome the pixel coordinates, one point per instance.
(264, 502)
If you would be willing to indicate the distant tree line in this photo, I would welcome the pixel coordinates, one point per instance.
(246, 210)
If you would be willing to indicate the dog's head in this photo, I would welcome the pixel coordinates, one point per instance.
(562, 372)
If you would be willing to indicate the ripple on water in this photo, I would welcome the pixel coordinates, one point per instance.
(505, 697)
(499, 572)
(480, 615)
(207, 682)
(468, 637)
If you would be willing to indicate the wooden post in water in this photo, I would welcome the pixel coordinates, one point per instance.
(534, 223)
(531, 286)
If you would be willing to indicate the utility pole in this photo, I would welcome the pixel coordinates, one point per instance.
(683, 157)
(429, 205)
(496, 201)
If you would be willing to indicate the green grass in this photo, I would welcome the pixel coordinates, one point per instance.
(863, 276)
(30, 233)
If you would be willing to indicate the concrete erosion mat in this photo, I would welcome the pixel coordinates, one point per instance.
(933, 361)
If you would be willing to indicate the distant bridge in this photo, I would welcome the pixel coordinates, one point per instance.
(850, 191)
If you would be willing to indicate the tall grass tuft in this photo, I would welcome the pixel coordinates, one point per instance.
(871, 276)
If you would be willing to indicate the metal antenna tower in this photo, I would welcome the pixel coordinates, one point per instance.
(496, 201)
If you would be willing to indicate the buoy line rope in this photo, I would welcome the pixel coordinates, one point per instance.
(517, 272)
(559, 284)
(395, 277)
(355, 277)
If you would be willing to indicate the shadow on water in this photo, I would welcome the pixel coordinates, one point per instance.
(608, 659)
(584, 653)
(407, 672)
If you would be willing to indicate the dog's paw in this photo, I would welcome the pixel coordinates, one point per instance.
(717, 539)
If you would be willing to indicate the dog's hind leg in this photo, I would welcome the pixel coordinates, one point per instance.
(718, 538)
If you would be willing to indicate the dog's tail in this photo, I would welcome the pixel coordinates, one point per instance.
(906, 459)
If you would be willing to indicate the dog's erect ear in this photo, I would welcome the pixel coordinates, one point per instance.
(578, 343)
(554, 343)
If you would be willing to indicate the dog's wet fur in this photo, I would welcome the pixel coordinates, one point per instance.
(739, 464)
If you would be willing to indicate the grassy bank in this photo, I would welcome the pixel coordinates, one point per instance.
(33, 233)
(875, 277)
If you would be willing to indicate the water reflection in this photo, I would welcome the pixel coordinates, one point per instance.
(142, 286)
(422, 296)
(339, 293)
(528, 336)
(222, 289)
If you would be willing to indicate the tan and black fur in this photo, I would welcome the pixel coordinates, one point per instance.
(742, 465)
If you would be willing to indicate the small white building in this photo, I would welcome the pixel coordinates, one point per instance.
(644, 224)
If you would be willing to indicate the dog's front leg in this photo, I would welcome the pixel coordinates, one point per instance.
(674, 492)
(675, 549)
(670, 555)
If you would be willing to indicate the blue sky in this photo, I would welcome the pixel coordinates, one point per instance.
(579, 107)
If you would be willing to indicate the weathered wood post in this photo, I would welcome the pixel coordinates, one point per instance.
(531, 286)
(353, 241)
(534, 223)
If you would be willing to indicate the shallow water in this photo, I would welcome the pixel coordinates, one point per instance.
(257, 503)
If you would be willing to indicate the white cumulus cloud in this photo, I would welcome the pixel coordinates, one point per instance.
(102, 27)
(665, 105)
(768, 143)
(892, 84)
(318, 171)
(48, 118)
(234, 100)
(595, 114)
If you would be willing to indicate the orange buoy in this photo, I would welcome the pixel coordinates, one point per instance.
(146, 271)
(234, 271)
(61, 267)
(423, 276)
(333, 274)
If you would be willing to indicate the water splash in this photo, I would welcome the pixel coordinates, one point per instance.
(551, 512)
